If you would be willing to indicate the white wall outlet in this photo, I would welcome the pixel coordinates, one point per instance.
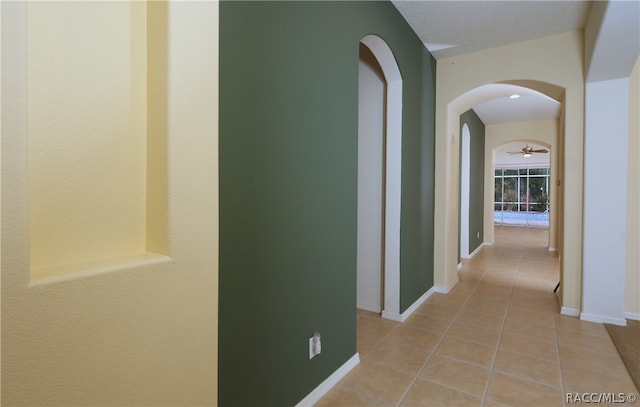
(478, 235)
(315, 345)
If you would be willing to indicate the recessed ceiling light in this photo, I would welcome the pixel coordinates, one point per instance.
(514, 96)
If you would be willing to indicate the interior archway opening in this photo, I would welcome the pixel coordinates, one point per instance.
(541, 133)
(379, 179)
(464, 191)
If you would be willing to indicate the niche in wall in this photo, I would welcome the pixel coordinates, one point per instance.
(97, 168)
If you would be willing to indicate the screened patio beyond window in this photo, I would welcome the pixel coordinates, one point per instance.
(522, 196)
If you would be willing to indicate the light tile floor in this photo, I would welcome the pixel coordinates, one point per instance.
(496, 339)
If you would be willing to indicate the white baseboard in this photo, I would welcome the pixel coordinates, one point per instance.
(459, 265)
(324, 387)
(407, 313)
(631, 315)
(473, 253)
(445, 290)
(603, 319)
(572, 312)
(393, 316)
(476, 251)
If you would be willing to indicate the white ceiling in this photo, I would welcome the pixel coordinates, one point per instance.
(531, 105)
(450, 28)
(618, 39)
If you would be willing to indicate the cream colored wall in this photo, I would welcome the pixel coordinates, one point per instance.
(632, 281)
(142, 331)
(556, 60)
(560, 210)
(545, 131)
(87, 135)
(1, 212)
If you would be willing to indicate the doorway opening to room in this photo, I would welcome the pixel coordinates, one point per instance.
(522, 185)
(465, 186)
(523, 166)
(371, 182)
(379, 179)
(522, 197)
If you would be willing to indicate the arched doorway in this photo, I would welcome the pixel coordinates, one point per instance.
(379, 180)
(371, 182)
(472, 99)
(464, 191)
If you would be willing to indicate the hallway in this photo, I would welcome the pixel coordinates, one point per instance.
(496, 339)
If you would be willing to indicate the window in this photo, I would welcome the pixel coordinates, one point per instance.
(521, 196)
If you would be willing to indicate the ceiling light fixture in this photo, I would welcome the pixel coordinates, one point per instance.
(526, 155)
(514, 96)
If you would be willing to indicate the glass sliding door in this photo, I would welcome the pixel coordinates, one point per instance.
(521, 196)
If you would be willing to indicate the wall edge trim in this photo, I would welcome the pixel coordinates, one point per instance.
(407, 313)
(324, 387)
(585, 316)
(632, 315)
(446, 289)
(572, 312)
(474, 252)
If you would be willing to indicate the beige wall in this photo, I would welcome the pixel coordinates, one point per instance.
(632, 282)
(86, 95)
(559, 213)
(540, 131)
(556, 60)
(115, 325)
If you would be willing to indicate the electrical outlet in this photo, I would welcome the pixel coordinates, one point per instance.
(478, 235)
(315, 345)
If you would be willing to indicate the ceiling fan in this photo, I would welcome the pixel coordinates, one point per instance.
(528, 151)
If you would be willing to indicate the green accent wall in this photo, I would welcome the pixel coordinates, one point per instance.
(288, 188)
(476, 178)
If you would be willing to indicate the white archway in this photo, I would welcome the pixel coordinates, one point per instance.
(465, 166)
(393, 172)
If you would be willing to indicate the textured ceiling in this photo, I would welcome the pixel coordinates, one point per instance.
(450, 28)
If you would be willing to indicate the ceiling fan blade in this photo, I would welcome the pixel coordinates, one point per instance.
(544, 150)
(514, 152)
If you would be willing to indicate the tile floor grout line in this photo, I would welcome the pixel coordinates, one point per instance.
(495, 355)
(562, 388)
(384, 338)
(528, 354)
(527, 379)
(363, 394)
(435, 348)
(521, 278)
(466, 362)
(552, 338)
(364, 357)
(453, 388)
